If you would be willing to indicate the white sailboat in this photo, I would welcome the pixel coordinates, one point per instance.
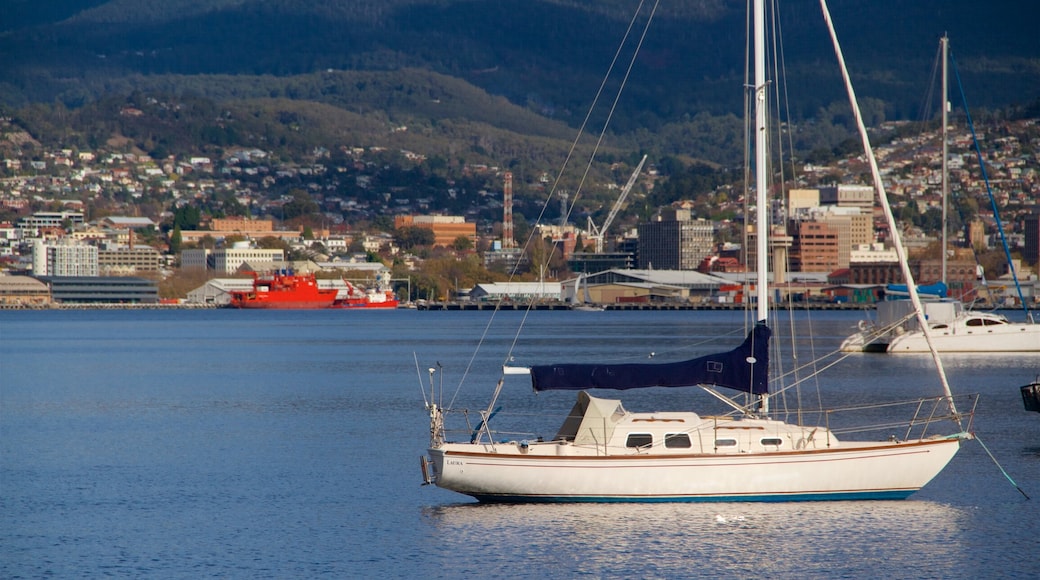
(606, 453)
(970, 332)
(586, 304)
(953, 327)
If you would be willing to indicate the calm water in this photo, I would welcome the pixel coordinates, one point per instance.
(286, 444)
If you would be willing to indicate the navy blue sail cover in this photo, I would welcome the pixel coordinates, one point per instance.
(745, 368)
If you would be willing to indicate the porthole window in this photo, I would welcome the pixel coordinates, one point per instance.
(677, 440)
(725, 443)
(771, 442)
(639, 440)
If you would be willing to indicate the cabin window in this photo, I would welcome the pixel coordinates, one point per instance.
(984, 322)
(639, 440)
(725, 443)
(771, 441)
(677, 440)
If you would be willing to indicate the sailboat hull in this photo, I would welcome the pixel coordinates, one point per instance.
(505, 473)
(972, 332)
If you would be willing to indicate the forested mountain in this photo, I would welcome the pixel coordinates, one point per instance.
(495, 69)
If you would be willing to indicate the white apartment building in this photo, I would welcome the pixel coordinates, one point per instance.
(64, 258)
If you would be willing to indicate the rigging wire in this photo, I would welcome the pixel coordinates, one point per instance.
(989, 190)
(613, 108)
(422, 388)
(529, 242)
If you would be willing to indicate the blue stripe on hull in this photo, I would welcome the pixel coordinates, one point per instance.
(836, 496)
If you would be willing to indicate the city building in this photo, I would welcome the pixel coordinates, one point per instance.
(672, 241)
(961, 274)
(861, 196)
(102, 290)
(517, 291)
(221, 228)
(587, 262)
(31, 226)
(446, 229)
(23, 291)
(802, 199)
(126, 223)
(649, 286)
(1031, 247)
(127, 260)
(9, 236)
(853, 227)
(228, 260)
(814, 246)
(64, 258)
(218, 291)
(241, 225)
(874, 252)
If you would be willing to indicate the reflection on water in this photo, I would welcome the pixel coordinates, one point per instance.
(828, 539)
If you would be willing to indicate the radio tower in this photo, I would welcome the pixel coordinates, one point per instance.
(507, 212)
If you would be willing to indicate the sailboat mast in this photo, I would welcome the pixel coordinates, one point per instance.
(944, 43)
(761, 174)
(762, 220)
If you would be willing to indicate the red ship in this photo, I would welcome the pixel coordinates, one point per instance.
(286, 290)
(373, 298)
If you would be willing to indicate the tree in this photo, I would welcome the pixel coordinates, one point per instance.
(272, 243)
(301, 204)
(521, 229)
(187, 217)
(409, 237)
(462, 243)
(175, 240)
(383, 223)
(208, 242)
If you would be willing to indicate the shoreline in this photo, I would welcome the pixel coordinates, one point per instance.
(456, 306)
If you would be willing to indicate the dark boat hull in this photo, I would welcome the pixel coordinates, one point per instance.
(1031, 397)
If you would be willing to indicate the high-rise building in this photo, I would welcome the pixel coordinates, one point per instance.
(853, 227)
(861, 196)
(1031, 251)
(672, 241)
(976, 234)
(814, 246)
(64, 258)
